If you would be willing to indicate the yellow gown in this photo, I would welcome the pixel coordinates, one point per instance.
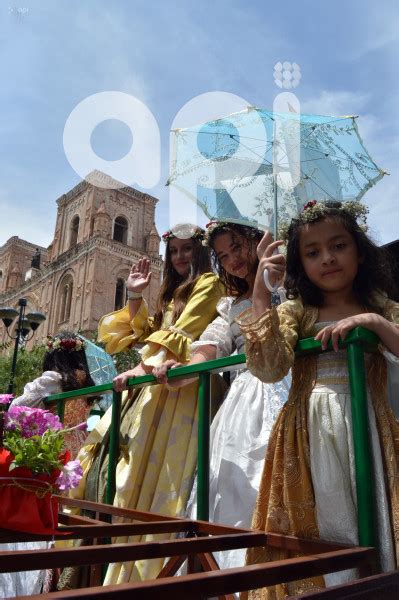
(317, 416)
(155, 472)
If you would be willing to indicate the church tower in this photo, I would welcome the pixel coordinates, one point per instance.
(99, 233)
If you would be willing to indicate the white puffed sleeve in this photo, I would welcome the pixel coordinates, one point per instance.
(218, 333)
(48, 383)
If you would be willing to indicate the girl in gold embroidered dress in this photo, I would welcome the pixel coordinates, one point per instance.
(336, 279)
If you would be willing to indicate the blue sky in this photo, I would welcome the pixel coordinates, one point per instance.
(55, 54)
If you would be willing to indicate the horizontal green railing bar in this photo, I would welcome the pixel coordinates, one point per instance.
(359, 335)
(305, 346)
(94, 390)
(213, 366)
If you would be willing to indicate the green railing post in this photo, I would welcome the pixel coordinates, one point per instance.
(366, 510)
(61, 409)
(113, 446)
(203, 446)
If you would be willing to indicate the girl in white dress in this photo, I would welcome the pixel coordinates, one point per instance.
(241, 427)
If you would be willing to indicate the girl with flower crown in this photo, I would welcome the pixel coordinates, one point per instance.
(65, 369)
(159, 425)
(241, 428)
(336, 279)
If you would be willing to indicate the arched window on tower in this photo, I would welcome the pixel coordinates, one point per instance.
(120, 230)
(73, 236)
(65, 299)
(120, 294)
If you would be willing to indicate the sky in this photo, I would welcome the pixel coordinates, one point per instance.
(55, 54)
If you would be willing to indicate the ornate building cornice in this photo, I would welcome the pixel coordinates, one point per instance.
(111, 185)
(17, 241)
(71, 256)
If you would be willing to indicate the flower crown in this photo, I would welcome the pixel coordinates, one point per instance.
(198, 234)
(71, 344)
(314, 210)
(210, 228)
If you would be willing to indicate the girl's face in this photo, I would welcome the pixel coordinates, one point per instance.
(181, 255)
(235, 254)
(329, 255)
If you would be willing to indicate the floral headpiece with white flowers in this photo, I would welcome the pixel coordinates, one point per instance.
(314, 210)
(71, 344)
(184, 231)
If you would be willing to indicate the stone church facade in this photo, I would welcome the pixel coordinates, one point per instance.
(81, 276)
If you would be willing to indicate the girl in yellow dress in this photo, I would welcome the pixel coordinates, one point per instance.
(159, 430)
(336, 279)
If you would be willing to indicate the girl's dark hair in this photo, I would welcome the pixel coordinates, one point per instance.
(71, 364)
(374, 272)
(178, 288)
(235, 286)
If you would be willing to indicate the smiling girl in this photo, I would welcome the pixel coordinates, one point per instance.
(241, 428)
(159, 426)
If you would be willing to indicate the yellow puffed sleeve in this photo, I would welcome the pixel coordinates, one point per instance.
(175, 340)
(270, 340)
(119, 332)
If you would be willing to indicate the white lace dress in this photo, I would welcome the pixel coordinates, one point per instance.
(239, 432)
(332, 461)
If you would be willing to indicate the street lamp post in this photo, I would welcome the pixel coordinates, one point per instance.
(25, 325)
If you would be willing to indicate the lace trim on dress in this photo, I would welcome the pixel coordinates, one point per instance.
(218, 333)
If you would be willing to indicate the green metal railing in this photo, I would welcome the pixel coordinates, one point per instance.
(357, 342)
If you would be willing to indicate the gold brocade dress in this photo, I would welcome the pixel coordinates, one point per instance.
(308, 487)
(155, 471)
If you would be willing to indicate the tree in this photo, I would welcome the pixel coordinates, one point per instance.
(29, 366)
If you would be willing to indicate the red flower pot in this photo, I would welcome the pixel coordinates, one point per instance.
(26, 500)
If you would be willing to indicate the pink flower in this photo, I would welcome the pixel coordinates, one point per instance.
(70, 475)
(6, 398)
(31, 421)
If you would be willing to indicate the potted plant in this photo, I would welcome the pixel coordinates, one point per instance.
(34, 465)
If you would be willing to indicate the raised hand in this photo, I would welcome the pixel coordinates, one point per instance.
(270, 260)
(139, 276)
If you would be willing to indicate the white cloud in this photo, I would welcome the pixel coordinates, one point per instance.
(336, 103)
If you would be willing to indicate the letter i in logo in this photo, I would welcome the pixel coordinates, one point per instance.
(287, 125)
